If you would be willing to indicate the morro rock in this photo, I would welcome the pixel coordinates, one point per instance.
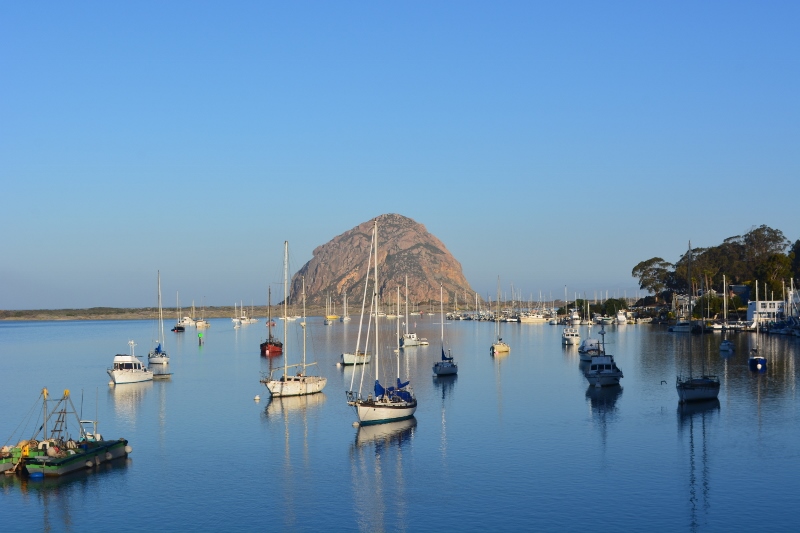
(405, 248)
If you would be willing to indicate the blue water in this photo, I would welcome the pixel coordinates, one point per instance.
(518, 442)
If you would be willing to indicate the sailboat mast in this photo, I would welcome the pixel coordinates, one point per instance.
(160, 314)
(441, 313)
(689, 278)
(398, 326)
(375, 299)
(285, 306)
(304, 325)
(398, 303)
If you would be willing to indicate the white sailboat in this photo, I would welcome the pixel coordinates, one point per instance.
(446, 366)
(690, 388)
(158, 355)
(345, 316)
(300, 383)
(408, 338)
(129, 368)
(388, 403)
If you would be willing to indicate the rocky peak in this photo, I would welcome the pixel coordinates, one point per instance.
(405, 248)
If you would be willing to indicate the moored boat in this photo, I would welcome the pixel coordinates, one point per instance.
(129, 368)
(52, 451)
(602, 370)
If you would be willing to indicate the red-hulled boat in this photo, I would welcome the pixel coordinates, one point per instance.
(271, 346)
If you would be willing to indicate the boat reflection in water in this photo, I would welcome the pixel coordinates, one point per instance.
(603, 405)
(127, 399)
(698, 417)
(386, 435)
(379, 472)
(56, 495)
(282, 406)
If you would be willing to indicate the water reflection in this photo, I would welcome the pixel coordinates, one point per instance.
(696, 418)
(603, 406)
(386, 435)
(56, 495)
(378, 474)
(127, 399)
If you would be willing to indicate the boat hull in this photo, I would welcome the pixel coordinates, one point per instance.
(697, 389)
(158, 360)
(603, 379)
(445, 368)
(295, 385)
(353, 359)
(499, 348)
(757, 363)
(120, 377)
(270, 349)
(86, 456)
(371, 412)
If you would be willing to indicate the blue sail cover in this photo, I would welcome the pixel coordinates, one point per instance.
(158, 348)
(444, 357)
(379, 390)
(400, 384)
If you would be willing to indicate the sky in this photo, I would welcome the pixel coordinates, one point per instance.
(551, 145)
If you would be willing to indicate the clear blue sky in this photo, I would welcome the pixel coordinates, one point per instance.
(548, 143)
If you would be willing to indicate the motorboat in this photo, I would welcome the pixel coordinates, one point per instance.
(570, 336)
(129, 368)
(602, 370)
(588, 348)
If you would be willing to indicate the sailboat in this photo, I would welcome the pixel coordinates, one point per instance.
(757, 362)
(388, 403)
(158, 356)
(498, 347)
(202, 323)
(345, 316)
(695, 389)
(271, 346)
(179, 327)
(300, 383)
(446, 366)
(410, 339)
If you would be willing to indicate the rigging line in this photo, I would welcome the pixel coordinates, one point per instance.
(29, 415)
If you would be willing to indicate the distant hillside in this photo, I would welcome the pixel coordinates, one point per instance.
(405, 248)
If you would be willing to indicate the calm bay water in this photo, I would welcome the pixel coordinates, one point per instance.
(518, 442)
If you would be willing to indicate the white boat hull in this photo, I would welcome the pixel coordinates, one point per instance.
(352, 359)
(296, 385)
(120, 377)
(377, 412)
(158, 360)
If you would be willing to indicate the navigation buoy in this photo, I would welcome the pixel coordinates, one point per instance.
(257, 398)
(111, 383)
(355, 424)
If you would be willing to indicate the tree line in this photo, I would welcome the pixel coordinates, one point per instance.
(763, 255)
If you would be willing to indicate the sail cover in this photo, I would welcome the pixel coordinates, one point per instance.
(444, 357)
